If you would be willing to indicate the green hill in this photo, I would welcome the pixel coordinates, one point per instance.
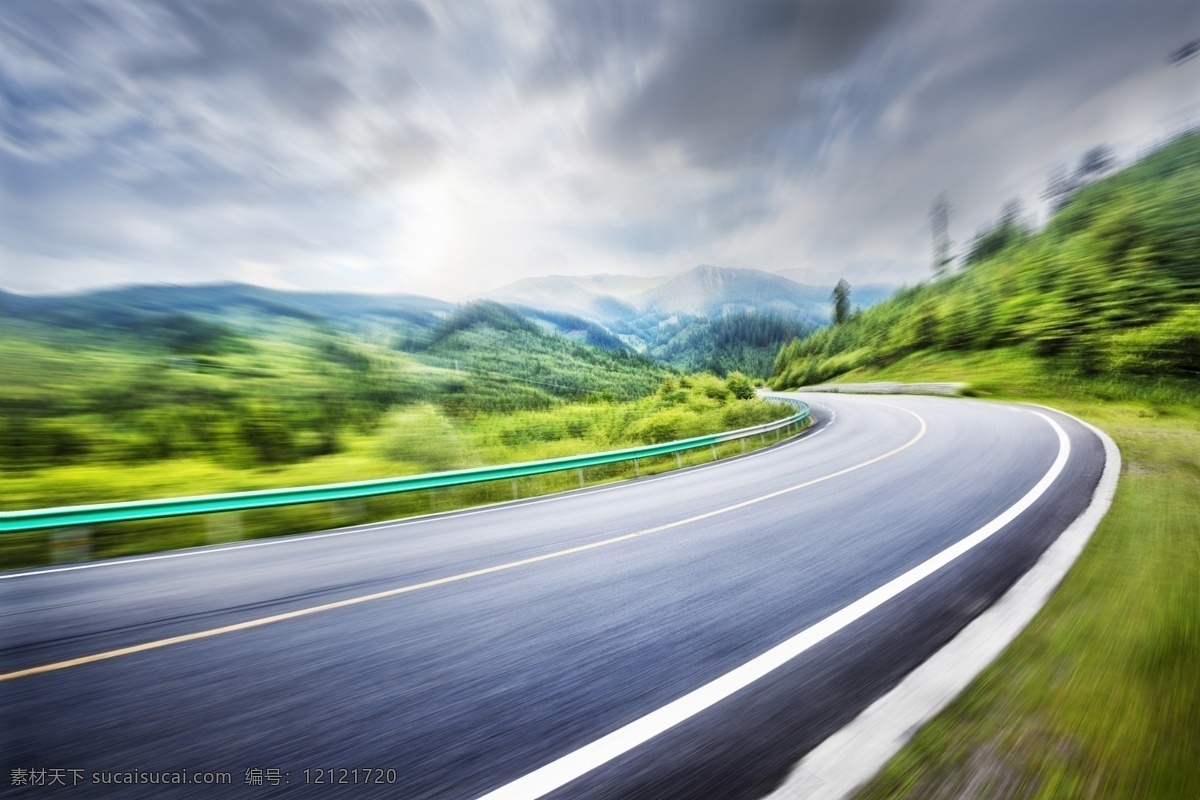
(507, 362)
(1110, 287)
(258, 377)
(739, 342)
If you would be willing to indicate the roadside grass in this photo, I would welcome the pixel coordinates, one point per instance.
(1100, 695)
(409, 438)
(115, 540)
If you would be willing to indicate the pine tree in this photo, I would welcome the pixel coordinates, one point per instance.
(841, 302)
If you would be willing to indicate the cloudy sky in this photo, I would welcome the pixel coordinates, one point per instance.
(451, 147)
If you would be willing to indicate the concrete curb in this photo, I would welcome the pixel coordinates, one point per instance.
(845, 761)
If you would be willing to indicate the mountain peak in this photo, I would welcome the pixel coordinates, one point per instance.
(704, 290)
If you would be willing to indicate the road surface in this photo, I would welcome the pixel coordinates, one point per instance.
(688, 635)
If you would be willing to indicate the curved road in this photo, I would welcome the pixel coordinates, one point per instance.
(611, 642)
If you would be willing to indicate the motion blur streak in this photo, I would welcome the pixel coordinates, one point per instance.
(124, 651)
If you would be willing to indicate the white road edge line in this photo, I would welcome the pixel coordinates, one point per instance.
(404, 522)
(841, 764)
(562, 771)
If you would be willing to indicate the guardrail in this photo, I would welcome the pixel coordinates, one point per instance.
(69, 516)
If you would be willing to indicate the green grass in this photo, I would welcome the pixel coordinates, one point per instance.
(1100, 695)
(408, 439)
(137, 538)
(1016, 373)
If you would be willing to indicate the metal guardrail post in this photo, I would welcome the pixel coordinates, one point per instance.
(69, 545)
(224, 527)
(343, 510)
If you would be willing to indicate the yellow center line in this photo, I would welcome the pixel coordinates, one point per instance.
(367, 598)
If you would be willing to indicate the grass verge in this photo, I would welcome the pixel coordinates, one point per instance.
(1100, 695)
(116, 540)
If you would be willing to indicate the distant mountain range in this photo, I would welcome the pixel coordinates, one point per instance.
(632, 305)
(705, 318)
(220, 299)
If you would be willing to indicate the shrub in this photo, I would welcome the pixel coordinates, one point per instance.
(1170, 347)
(710, 386)
(739, 385)
(424, 436)
(663, 426)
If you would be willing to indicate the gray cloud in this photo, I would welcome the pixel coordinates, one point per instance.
(1043, 58)
(403, 146)
(175, 86)
(586, 37)
(732, 77)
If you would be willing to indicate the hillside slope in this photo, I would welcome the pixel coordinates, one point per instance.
(508, 362)
(1110, 286)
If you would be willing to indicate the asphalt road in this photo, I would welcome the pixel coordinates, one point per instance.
(464, 652)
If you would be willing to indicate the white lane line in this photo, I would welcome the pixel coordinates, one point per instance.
(847, 759)
(562, 771)
(424, 518)
(367, 598)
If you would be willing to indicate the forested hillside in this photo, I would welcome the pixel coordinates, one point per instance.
(113, 381)
(1110, 286)
(123, 395)
(730, 343)
(506, 362)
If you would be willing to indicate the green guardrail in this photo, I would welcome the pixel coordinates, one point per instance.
(68, 516)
